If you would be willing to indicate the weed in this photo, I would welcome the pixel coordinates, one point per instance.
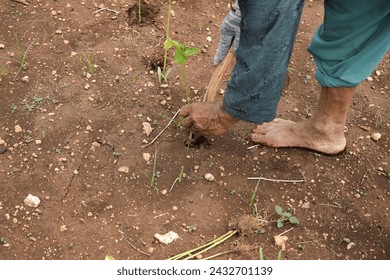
(116, 154)
(284, 216)
(200, 26)
(179, 178)
(3, 70)
(22, 57)
(182, 54)
(30, 106)
(90, 65)
(165, 75)
(133, 176)
(381, 119)
(14, 107)
(57, 150)
(261, 255)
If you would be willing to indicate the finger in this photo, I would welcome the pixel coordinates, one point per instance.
(185, 111)
(187, 122)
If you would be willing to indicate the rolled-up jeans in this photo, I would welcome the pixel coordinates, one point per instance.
(347, 47)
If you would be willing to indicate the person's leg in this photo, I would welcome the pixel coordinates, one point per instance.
(346, 48)
(323, 133)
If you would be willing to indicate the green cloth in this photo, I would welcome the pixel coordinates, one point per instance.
(352, 40)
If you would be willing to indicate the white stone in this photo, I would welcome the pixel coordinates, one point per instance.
(2, 46)
(32, 201)
(209, 177)
(123, 169)
(18, 129)
(376, 136)
(370, 79)
(167, 238)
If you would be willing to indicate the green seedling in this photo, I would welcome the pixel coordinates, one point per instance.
(3, 70)
(284, 216)
(22, 57)
(261, 255)
(179, 178)
(109, 258)
(381, 119)
(182, 54)
(90, 65)
(14, 107)
(116, 154)
(161, 75)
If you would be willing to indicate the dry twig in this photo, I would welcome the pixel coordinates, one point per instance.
(132, 246)
(106, 9)
(276, 180)
(21, 2)
(174, 116)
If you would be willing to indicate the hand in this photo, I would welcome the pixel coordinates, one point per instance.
(230, 34)
(207, 118)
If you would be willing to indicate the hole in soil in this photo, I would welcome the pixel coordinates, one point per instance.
(197, 142)
(149, 13)
(154, 61)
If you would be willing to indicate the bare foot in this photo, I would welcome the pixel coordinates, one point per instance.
(286, 133)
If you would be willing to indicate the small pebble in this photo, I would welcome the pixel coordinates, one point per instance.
(376, 136)
(209, 177)
(32, 201)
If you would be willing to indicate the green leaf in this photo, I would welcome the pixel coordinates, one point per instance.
(109, 258)
(171, 44)
(190, 52)
(279, 255)
(159, 74)
(179, 58)
(287, 215)
(280, 224)
(261, 255)
(293, 220)
(278, 209)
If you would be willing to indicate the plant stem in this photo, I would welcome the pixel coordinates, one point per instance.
(183, 77)
(167, 33)
(208, 246)
(230, 234)
(154, 170)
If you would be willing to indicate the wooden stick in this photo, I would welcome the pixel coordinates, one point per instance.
(226, 66)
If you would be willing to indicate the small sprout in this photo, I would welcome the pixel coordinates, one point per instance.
(285, 216)
(116, 154)
(109, 258)
(191, 229)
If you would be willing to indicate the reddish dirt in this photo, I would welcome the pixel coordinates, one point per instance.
(78, 129)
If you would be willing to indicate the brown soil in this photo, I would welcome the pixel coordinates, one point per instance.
(78, 129)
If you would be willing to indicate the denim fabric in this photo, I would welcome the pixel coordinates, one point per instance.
(353, 39)
(268, 30)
